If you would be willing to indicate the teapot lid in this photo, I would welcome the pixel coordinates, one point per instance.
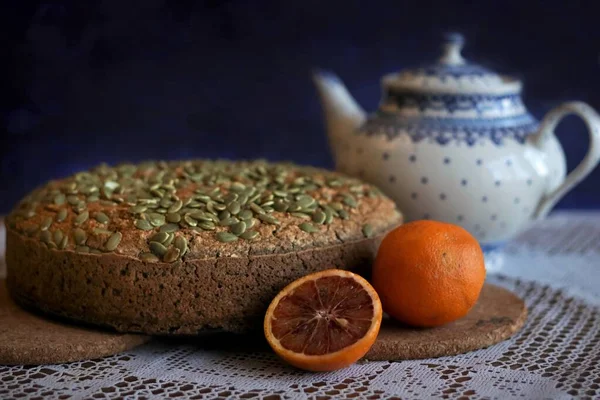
(452, 74)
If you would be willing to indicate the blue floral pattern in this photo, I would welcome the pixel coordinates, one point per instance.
(455, 102)
(451, 130)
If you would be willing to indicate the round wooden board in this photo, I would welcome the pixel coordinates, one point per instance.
(27, 339)
(497, 316)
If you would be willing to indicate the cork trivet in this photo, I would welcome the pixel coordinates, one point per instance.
(27, 339)
(497, 316)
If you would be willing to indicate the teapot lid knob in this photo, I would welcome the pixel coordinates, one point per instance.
(453, 44)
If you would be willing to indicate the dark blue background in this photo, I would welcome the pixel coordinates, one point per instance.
(93, 81)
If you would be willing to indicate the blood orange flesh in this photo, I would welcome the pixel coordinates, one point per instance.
(331, 313)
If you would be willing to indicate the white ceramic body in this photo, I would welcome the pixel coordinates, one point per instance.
(492, 191)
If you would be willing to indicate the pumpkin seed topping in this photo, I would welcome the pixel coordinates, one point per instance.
(80, 236)
(143, 225)
(172, 255)
(61, 215)
(160, 237)
(81, 218)
(113, 241)
(149, 257)
(63, 243)
(367, 230)
(226, 237)
(308, 227)
(182, 244)
(238, 228)
(194, 197)
(102, 218)
(169, 228)
(158, 249)
(46, 223)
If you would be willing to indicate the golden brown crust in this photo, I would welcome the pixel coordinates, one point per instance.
(113, 279)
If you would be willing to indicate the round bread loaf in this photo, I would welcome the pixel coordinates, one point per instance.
(186, 247)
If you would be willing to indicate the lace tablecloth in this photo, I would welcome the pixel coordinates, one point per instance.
(554, 267)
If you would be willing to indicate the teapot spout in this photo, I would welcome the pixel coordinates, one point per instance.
(342, 113)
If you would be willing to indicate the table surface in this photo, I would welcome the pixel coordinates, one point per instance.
(554, 266)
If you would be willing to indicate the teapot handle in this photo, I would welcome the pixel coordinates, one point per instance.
(592, 121)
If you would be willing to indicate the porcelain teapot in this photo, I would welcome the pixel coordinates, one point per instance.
(453, 141)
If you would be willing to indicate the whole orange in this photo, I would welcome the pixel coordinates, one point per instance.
(428, 273)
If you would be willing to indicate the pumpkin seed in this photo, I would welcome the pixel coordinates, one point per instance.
(237, 187)
(156, 219)
(294, 207)
(224, 214)
(182, 244)
(175, 207)
(81, 218)
(102, 218)
(328, 216)
(29, 213)
(304, 201)
(344, 214)
(279, 193)
(280, 206)
(230, 197)
(95, 251)
(59, 199)
(245, 214)
(207, 225)
(62, 215)
(158, 249)
(45, 236)
(319, 217)
(219, 207)
(93, 198)
(249, 235)
(189, 220)
(113, 241)
(309, 228)
(250, 222)
(268, 219)
(350, 201)
(367, 230)
(149, 257)
(58, 236)
(46, 223)
(234, 207)
(300, 215)
(160, 237)
(169, 240)
(173, 217)
(171, 255)
(82, 249)
(63, 242)
(257, 209)
(169, 228)
(80, 236)
(239, 228)
(201, 216)
(336, 206)
(226, 237)
(79, 207)
(140, 208)
(229, 221)
(72, 200)
(51, 245)
(143, 225)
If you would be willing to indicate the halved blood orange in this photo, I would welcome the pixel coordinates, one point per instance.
(324, 321)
